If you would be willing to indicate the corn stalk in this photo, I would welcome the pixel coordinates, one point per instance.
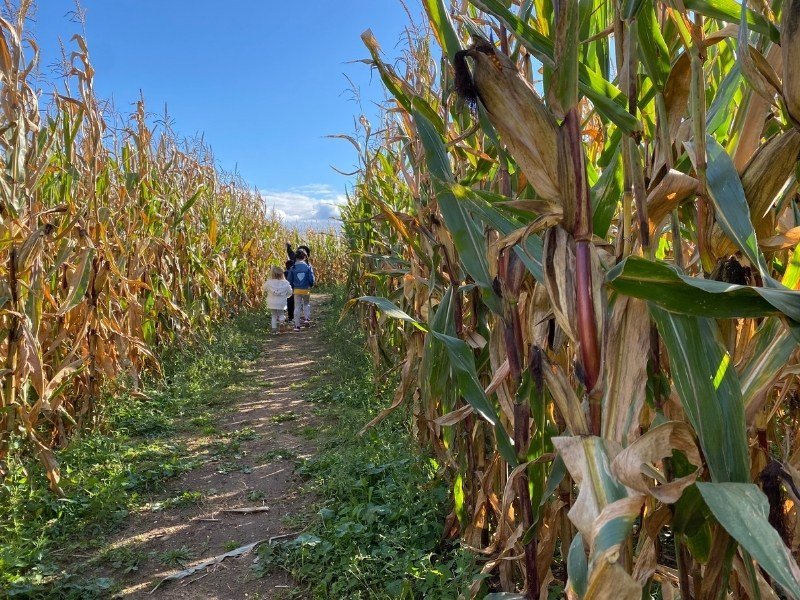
(113, 244)
(622, 230)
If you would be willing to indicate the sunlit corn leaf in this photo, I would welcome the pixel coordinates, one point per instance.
(439, 17)
(709, 390)
(730, 11)
(652, 47)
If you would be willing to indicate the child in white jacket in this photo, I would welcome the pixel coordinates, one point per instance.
(277, 290)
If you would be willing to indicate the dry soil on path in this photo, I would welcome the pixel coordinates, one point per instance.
(249, 464)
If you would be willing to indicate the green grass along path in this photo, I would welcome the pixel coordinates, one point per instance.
(253, 422)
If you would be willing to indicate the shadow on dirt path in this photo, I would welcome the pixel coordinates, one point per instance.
(249, 464)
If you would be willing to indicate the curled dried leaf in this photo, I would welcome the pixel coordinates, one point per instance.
(634, 466)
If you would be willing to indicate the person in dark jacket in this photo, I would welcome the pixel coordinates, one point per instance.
(290, 300)
(292, 254)
(301, 276)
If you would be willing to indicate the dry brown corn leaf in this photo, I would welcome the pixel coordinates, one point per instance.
(612, 581)
(668, 194)
(565, 399)
(558, 258)
(626, 351)
(766, 174)
(783, 241)
(634, 465)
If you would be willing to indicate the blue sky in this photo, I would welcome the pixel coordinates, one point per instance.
(262, 80)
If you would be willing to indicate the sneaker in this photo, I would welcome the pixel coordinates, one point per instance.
(297, 329)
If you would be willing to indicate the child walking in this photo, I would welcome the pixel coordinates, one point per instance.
(301, 278)
(277, 290)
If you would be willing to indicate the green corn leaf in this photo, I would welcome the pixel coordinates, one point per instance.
(730, 205)
(730, 11)
(791, 276)
(188, 204)
(479, 202)
(463, 363)
(79, 281)
(443, 27)
(563, 88)
(397, 87)
(434, 370)
(632, 8)
(468, 238)
(666, 286)
(390, 309)
(709, 389)
(652, 47)
(606, 194)
(607, 98)
(719, 113)
(577, 567)
(742, 509)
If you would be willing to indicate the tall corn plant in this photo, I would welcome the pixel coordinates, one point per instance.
(576, 237)
(112, 244)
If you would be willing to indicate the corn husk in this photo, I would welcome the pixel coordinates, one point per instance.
(526, 126)
(790, 46)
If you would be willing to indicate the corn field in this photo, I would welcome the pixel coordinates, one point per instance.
(575, 237)
(113, 243)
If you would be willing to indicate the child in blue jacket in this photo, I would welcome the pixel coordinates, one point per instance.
(301, 276)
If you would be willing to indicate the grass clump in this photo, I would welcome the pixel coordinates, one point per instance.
(110, 472)
(378, 526)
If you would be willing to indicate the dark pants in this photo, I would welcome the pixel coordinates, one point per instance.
(290, 307)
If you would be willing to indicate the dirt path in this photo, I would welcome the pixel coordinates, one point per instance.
(249, 464)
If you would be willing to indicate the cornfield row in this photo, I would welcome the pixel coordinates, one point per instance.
(113, 243)
(575, 236)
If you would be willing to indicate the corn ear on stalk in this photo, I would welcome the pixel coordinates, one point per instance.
(525, 124)
(790, 46)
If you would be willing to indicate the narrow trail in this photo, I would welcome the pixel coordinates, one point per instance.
(248, 464)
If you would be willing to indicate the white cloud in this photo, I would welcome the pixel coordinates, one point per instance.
(313, 202)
